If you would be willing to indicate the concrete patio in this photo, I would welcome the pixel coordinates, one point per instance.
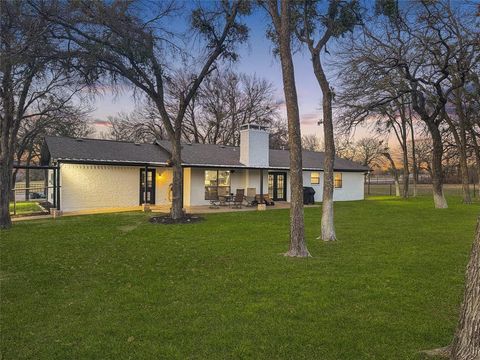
(203, 209)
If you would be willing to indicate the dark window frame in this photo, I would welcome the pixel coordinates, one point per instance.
(150, 189)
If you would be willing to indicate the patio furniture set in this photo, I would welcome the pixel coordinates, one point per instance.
(239, 199)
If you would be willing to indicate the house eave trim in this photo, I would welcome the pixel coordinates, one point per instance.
(109, 162)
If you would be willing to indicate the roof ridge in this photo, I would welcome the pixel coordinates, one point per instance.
(97, 139)
(197, 143)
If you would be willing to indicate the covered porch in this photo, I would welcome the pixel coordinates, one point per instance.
(204, 185)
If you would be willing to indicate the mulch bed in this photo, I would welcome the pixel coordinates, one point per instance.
(166, 219)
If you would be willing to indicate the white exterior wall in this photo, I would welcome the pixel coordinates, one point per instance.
(197, 188)
(252, 180)
(163, 179)
(352, 186)
(187, 186)
(85, 187)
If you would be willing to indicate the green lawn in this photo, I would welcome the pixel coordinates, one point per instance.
(25, 207)
(118, 287)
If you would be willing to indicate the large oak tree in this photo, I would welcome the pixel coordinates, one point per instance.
(316, 24)
(281, 33)
(134, 43)
(36, 86)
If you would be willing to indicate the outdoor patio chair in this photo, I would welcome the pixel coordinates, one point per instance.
(223, 196)
(214, 204)
(238, 199)
(250, 198)
(266, 200)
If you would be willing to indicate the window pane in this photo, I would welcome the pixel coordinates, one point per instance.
(315, 178)
(270, 185)
(210, 177)
(280, 185)
(338, 180)
(217, 183)
(224, 178)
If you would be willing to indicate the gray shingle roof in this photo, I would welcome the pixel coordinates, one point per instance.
(312, 160)
(229, 156)
(96, 150)
(207, 155)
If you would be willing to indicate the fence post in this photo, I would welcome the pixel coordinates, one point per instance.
(369, 179)
(14, 202)
(390, 189)
(474, 191)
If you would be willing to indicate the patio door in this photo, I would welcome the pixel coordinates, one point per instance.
(277, 186)
(149, 188)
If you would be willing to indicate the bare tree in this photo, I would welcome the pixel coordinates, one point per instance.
(279, 134)
(143, 124)
(68, 120)
(414, 50)
(345, 147)
(136, 46)
(35, 84)
(394, 170)
(225, 101)
(369, 151)
(315, 25)
(281, 33)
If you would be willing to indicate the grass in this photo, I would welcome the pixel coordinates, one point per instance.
(25, 207)
(118, 287)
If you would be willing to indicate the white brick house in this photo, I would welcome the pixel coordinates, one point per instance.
(96, 174)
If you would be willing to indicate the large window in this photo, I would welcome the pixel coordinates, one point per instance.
(337, 180)
(217, 183)
(314, 178)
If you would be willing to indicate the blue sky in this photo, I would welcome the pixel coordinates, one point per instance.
(255, 58)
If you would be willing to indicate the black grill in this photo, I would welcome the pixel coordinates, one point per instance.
(308, 195)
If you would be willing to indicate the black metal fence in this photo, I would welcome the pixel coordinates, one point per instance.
(35, 190)
(388, 189)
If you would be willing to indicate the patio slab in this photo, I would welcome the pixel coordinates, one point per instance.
(204, 209)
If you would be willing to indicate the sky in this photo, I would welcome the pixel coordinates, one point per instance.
(255, 58)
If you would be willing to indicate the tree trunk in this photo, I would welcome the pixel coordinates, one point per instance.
(467, 199)
(298, 247)
(460, 143)
(406, 168)
(5, 188)
(414, 155)
(328, 225)
(466, 343)
(414, 170)
(437, 172)
(462, 137)
(402, 135)
(177, 184)
(476, 150)
(395, 173)
(406, 174)
(27, 177)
